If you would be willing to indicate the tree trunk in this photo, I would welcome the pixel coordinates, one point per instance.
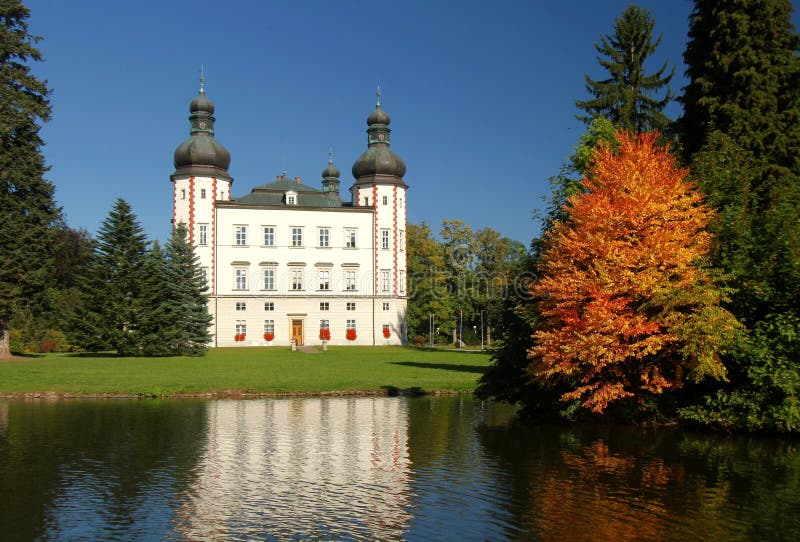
(5, 351)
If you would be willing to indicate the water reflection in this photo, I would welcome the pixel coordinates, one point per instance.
(377, 469)
(313, 468)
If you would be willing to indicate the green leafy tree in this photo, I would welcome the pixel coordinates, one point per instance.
(741, 136)
(29, 215)
(428, 292)
(111, 315)
(628, 97)
(187, 317)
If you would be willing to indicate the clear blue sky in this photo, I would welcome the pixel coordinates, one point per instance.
(481, 95)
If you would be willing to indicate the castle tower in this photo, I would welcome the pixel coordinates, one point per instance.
(201, 179)
(379, 184)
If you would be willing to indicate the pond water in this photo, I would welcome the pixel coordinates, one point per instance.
(431, 468)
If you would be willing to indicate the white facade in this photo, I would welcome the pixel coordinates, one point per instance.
(289, 260)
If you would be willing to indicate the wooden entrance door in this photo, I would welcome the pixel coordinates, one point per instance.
(297, 331)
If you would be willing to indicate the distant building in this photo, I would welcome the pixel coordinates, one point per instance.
(289, 261)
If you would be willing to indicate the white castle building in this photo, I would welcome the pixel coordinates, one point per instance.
(292, 262)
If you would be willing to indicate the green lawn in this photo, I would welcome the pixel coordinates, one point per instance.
(251, 370)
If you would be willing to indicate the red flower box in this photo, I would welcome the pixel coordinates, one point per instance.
(325, 334)
(351, 335)
(239, 337)
(387, 332)
(269, 336)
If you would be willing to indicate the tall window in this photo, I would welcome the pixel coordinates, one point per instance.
(291, 199)
(324, 280)
(350, 280)
(297, 237)
(386, 200)
(297, 279)
(241, 279)
(202, 234)
(324, 237)
(269, 236)
(324, 324)
(269, 326)
(241, 235)
(386, 306)
(351, 324)
(269, 278)
(204, 274)
(401, 240)
(385, 239)
(324, 306)
(202, 193)
(183, 193)
(241, 327)
(401, 279)
(351, 306)
(241, 305)
(269, 306)
(385, 281)
(350, 238)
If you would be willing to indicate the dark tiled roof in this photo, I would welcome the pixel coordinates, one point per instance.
(274, 193)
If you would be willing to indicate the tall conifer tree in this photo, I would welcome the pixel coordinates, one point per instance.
(187, 324)
(28, 213)
(741, 135)
(628, 97)
(111, 316)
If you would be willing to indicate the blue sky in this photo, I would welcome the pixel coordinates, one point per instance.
(481, 95)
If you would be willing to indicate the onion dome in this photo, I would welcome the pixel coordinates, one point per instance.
(330, 177)
(379, 160)
(201, 154)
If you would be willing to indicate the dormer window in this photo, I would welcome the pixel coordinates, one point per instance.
(291, 198)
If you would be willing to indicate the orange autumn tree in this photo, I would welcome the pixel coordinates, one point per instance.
(630, 310)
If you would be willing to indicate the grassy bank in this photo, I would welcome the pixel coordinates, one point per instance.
(247, 370)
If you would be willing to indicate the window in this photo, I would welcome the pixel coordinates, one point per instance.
(241, 279)
(350, 281)
(324, 280)
(386, 200)
(401, 279)
(204, 274)
(324, 324)
(269, 279)
(241, 305)
(269, 306)
(366, 202)
(269, 236)
(385, 239)
(297, 279)
(324, 306)
(386, 306)
(183, 193)
(202, 234)
(351, 306)
(385, 281)
(297, 237)
(269, 326)
(350, 238)
(241, 235)
(351, 324)
(291, 198)
(241, 327)
(202, 193)
(324, 237)
(401, 240)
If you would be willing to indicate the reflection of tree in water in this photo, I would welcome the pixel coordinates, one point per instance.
(618, 483)
(86, 466)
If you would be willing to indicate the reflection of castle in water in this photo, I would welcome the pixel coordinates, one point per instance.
(318, 468)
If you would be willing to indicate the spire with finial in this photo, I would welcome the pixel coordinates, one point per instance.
(202, 80)
(330, 176)
(378, 94)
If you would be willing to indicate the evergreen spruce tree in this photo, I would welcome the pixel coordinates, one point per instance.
(629, 98)
(186, 330)
(111, 315)
(28, 214)
(741, 136)
(153, 303)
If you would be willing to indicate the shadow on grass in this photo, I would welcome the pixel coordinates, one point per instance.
(445, 366)
(394, 391)
(452, 350)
